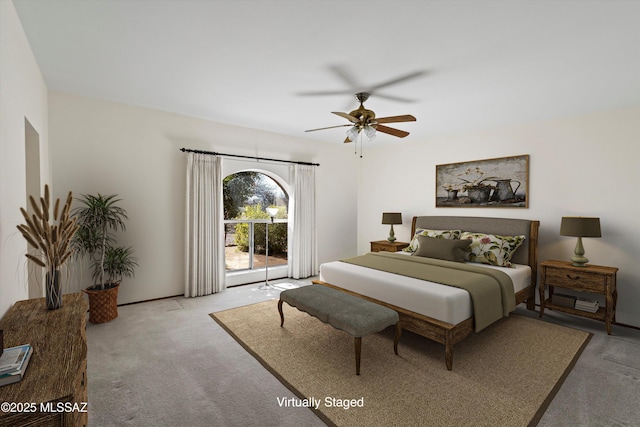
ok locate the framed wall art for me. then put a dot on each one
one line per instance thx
(500, 182)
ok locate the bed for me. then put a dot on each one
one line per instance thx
(442, 313)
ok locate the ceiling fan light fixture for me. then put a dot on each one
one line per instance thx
(362, 119)
(353, 132)
(370, 132)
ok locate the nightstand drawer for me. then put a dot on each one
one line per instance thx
(577, 280)
(387, 246)
(380, 247)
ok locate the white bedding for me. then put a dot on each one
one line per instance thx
(441, 302)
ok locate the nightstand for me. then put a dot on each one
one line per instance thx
(387, 246)
(594, 279)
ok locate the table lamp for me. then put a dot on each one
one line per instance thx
(391, 218)
(578, 226)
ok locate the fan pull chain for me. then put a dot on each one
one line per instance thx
(355, 145)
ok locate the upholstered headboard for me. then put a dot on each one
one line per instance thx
(526, 254)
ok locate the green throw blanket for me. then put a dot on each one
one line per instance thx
(491, 290)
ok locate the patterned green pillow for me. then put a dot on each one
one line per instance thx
(438, 234)
(492, 249)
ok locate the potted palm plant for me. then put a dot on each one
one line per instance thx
(49, 232)
(98, 217)
(119, 263)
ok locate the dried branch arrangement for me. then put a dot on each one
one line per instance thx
(51, 240)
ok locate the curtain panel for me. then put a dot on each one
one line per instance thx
(303, 253)
(204, 248)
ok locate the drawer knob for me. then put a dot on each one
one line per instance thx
(573, 277)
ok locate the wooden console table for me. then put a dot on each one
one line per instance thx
(53, 391)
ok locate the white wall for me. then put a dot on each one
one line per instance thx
(582, 166)
(23, 95)
(134, 152)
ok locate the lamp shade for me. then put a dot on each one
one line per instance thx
(370, 132)
(578, 226)
(392, 218)
(352, 133)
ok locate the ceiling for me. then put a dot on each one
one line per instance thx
(481, 63)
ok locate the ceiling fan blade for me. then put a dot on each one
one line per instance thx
(346, 116)
(400, 79)
(395, 119)
(345, 76)
(393, 98)
(342, 72)
(328, 127)
(391, 131)
(354, 85)
(325, 93)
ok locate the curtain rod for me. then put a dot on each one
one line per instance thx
(188, 150)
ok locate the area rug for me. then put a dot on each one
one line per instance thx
(505, 375)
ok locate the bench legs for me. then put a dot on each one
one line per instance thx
(357, 340)
(280, 311)
(397, 338)
(358, 346)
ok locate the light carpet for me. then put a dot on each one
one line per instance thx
(506, 375)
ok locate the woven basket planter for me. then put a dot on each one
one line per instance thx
(103, 304)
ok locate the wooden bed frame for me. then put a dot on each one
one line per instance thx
(446, 333)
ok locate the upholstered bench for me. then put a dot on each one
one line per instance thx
(345, 312)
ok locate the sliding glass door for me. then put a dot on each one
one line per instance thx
(247, 195)
(245, 246)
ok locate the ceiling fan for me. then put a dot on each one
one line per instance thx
(364, 120)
